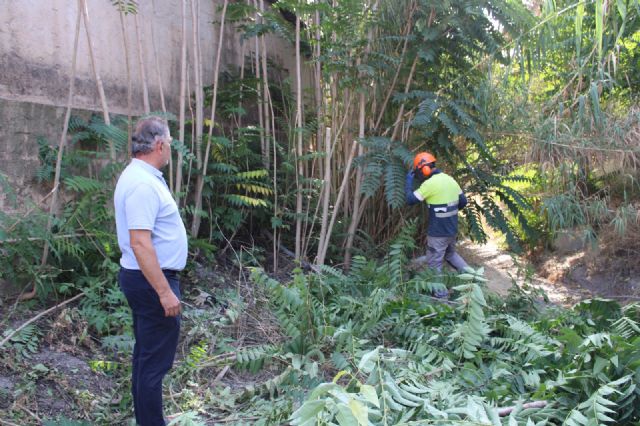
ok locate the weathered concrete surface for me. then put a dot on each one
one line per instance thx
(36, 49)
(21, 123)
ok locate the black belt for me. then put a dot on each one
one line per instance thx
(170, 272)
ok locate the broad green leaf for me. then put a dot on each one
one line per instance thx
(599, 364)
(307, 411)
(370, 394)
(322, 389)
(345, 416)
(369, 360)
(359, 411)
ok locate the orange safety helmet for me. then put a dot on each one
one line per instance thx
(425, 163)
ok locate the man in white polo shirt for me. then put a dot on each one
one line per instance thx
(153, 242)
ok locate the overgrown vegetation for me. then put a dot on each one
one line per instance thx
(543, 139)
(373, 347)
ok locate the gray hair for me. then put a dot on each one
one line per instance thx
(146, 134)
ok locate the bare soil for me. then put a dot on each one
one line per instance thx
(565, 278)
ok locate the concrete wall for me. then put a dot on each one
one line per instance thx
(36, 48)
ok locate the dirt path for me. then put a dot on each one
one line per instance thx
(502, 269)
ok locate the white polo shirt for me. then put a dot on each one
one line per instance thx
(143, 201)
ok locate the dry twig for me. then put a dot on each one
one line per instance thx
(37, 317)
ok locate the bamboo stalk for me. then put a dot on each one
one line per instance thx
(310, 171)
(265, 93)
(258, 74)
(345, 181)
(298, 151)
(158, 73)
(199, 107)
(356, 193)
(275, 182)
(400, 63)
(183, 85)
(322, 134)
(357, 205)
(125, 42)
(163, 106)
(53, 206)
(333, 168)
(326, 195)
(241, 97)
(143, 71)
(398, 121)
(216, 73)
(94, 66)
(193, 131)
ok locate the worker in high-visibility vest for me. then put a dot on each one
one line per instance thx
(444, 198)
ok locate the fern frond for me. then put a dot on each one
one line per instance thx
(253, 174)
(394, 183)
(83, 184)
(244, 201)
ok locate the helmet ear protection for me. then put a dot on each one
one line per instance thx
(424, 163)
(426, 169)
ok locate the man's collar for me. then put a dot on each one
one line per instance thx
(148, 167)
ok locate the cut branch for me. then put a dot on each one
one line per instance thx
(502, 412)
(37, 317)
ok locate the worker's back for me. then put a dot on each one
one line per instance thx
(442, 193)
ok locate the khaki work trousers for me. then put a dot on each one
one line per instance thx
(440, 249)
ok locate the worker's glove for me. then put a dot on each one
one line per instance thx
(409, 180)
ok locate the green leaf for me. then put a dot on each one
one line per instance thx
(345, 416)
(370, 394)
(368, 361)
(599, 364)
(307, 411)
(359, 411)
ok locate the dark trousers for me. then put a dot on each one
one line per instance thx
(156, 342)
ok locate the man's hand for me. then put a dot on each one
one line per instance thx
(170, 303)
